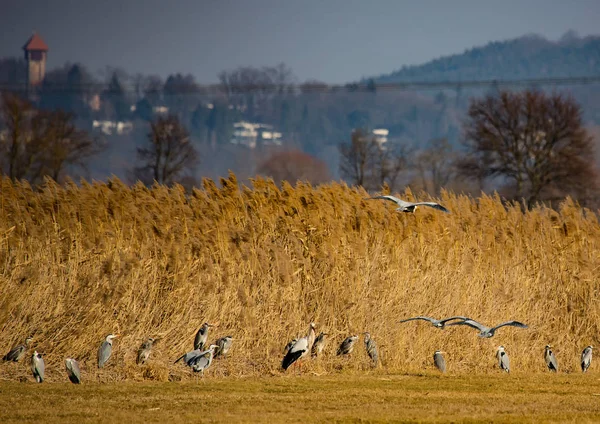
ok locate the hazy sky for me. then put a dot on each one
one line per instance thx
(330, 40)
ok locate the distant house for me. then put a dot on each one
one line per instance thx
(250, 134)
(113, 127)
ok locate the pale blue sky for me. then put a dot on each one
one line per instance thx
(330, 40)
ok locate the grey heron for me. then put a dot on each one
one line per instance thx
(105, 349)
(503, 360)
(187, 357)
(488, 332)
(202, 361)
(404, 206)
(73, 370)
(37, 366)
(586, 358)
(439, 361)
(551, 362)
(144, 351)
(202, 336)
(347, 346)
(223, 346)
(318, 345)
(300, 349)
(17, 352)
(371, 347)
(438, 323)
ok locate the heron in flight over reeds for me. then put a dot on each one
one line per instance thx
(300, 349)
(404, 206)
(438, 323)
(487, 332)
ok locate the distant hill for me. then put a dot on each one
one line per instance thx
(530, 56)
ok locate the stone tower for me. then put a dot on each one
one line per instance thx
(35, 55)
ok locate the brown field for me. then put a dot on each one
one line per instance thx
(360, 397)
(77, 263)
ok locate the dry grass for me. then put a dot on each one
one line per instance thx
(77, 263)
(345, 398)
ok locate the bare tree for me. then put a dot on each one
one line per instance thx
(35, 143)
(169, 156)
(367, 162)
(534, 141)
(436, 165)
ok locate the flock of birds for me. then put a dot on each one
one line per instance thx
(201, 358)
(198, 359)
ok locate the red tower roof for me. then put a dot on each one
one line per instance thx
(35, 42)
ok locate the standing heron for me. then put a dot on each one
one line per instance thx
(17, 352)
(300, 349)
(144, 351)
(73, 370)
(439, 361)
(487, 332)
(438, 323)
(371, 347)
(319, 345)
(503, 360)
(586, 358)
(105, 349)
(551, 362)
(37, 366)
(404, 206)
(202, 336)
(223, 346)
(347, 346)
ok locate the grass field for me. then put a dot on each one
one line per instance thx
(298, 399)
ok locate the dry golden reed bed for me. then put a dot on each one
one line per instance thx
(77, 263)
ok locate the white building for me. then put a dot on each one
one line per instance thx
(251, 133)
(113, 127)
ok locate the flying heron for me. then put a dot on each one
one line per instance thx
(318, 345)
(105, 350)
(503, 360)
(223, 346)
(404, 206)
(73, 370)
(37, 366)
(438, 323)
(586, 358)
(17, 352)
(202, 336)
(371, 347)
(487, 332)
(347, 346)
(439, 361)
(551, 362)
(300, 349)
(144, 351)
